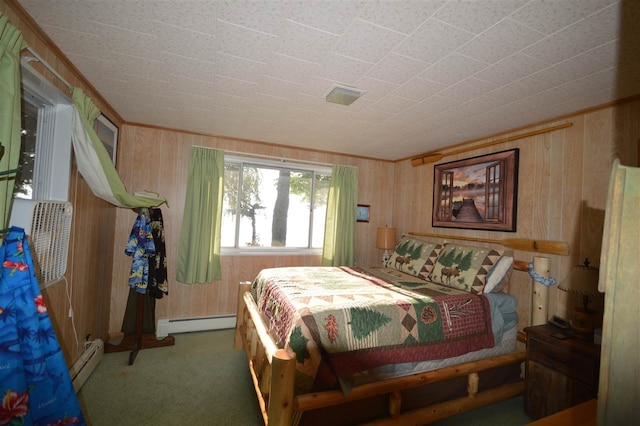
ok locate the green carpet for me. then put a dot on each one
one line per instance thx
(202, 380)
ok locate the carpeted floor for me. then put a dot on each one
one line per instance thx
(202, 380)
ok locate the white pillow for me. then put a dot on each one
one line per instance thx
(495, 278)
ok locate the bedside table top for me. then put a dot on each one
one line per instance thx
(545, 333)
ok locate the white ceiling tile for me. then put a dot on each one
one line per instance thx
(477, 106)
(396, 68)
(432, 41)
(468, 89)
(261, 69)
(280, 88)
(232, 86)
(511, 69)
(189, 67)
(427, 108)
(244, 43)
(265, 16)
(95, 67)
(597, 29)
(194, 15)
(183, 42)
(133, 16)
(419, 89)
(239, 68)
(367, 42)
(300, 41)
(375, 89)
(61, 13)
(331, 16)
(133, 65)
(343, 69)
(504, 39)
(372, 115)
(596, 60)
(393, 104)
(475, 16)
(401, 16)
(291, 69)
(77, 43)
(453, 68)
(518, 89)
(551, 16)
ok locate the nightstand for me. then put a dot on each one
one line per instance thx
(559, 373)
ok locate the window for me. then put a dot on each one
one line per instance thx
(45, 159)
(268, 205)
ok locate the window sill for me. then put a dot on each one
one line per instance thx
(269, 251)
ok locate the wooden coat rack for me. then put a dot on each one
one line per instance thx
(139, 340)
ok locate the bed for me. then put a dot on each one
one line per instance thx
(428, 335)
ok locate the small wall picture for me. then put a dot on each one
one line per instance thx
(477, 193)
(362, 214)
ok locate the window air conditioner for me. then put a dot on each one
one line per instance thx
(47, 225)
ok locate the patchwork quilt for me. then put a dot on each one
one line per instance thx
(343, 320)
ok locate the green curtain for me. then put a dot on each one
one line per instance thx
(199, 248)
(94, 162)
(340, 227)
(11, 43)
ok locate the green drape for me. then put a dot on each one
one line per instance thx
(94, 162)
(340, 227)
(11, 43)
(199, 248)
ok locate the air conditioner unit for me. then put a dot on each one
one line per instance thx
(47, 225)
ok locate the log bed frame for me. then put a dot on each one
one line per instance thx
(273, 372)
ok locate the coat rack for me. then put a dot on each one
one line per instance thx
(139, 340)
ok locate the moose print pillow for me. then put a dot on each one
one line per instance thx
(415, 257)
(464, 267)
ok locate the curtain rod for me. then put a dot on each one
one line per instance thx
(268, 157)
(44, 63)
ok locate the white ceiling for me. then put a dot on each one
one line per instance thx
(435, 72)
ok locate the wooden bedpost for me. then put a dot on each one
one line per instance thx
(240, 309)
(283, 371)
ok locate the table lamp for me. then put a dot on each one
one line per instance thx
(583, 279)
(386, 240)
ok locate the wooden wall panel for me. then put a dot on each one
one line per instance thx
(157, 160)
(88, 277)
(563, 179)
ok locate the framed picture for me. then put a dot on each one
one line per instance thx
(477, 193)
(362, 214)
(108, 134)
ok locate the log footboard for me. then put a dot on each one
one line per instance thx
(273, 373)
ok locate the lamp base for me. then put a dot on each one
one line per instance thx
(385, 257)
(584, 322)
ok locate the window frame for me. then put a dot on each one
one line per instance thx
(277, 165)
(51, 177)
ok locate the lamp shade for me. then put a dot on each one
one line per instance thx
(386, 238)
(583, 279)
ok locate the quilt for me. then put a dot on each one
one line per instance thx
(343, 320)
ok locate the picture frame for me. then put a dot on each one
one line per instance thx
(362, 214)
(107, 132)
(477, 193)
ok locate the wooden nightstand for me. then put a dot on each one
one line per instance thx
(559, 373)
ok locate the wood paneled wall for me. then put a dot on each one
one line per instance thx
(562, 190)
(157, 160)
(87, 281)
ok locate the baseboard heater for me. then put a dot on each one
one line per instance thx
(88, 361)
(186, 325)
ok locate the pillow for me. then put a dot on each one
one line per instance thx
(464, 267)
(415, 257)
(498, 276)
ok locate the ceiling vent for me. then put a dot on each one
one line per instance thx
(344, 95)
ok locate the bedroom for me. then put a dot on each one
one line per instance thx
(561, 196)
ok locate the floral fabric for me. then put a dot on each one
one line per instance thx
(35, 387)
(140, 247)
